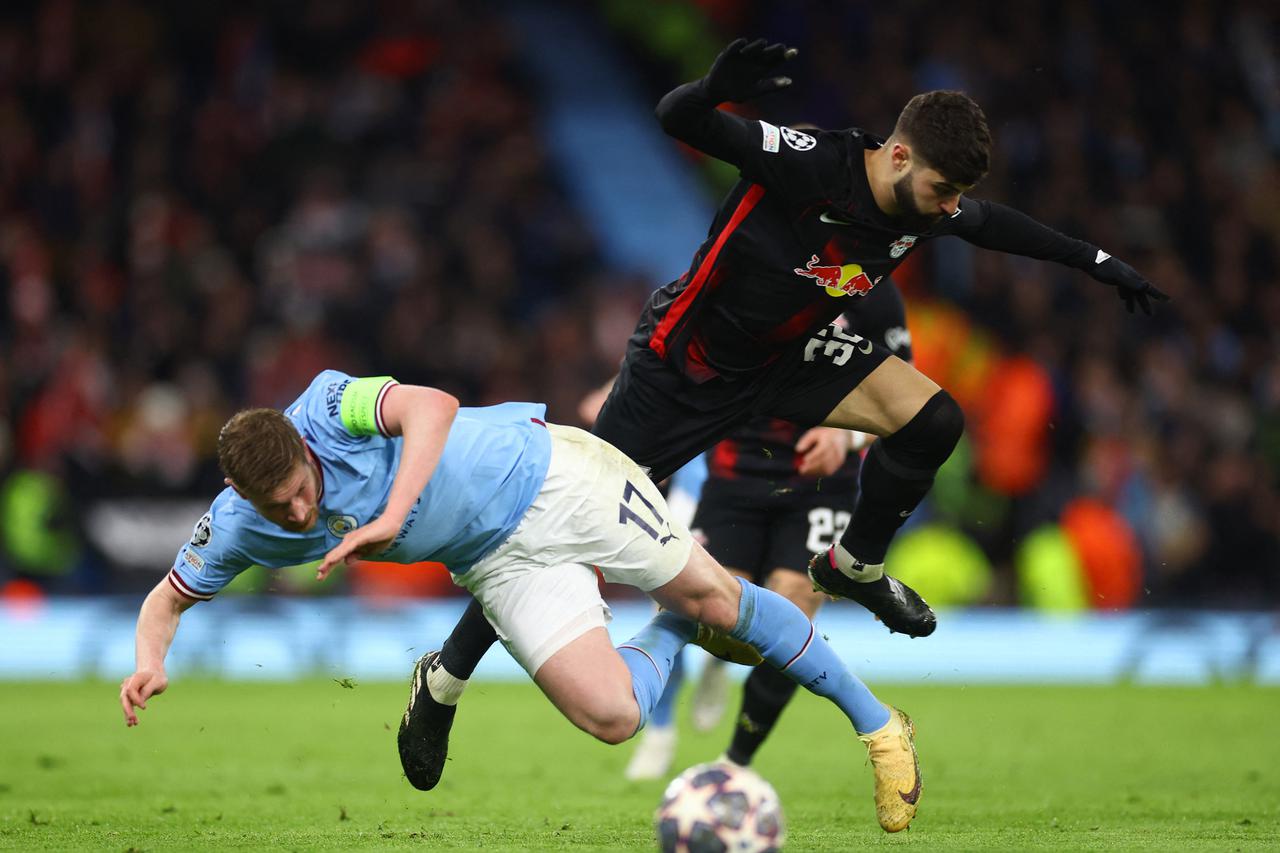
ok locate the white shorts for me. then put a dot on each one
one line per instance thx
(596, 510)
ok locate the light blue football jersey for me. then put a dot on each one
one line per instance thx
(493, 466)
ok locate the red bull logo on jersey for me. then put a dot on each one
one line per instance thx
(902, 245)
(845, 280)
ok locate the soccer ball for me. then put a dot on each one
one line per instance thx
(719, 808)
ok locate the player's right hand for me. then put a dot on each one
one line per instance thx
(822, 451)
(591, 404)
(747, 70)
(137, 689)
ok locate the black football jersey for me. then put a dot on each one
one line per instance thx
(796, 241)
(761, 456)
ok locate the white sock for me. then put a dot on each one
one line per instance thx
(444, 688)
(659, 733)
(855, 568)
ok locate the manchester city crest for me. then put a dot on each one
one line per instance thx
(341, 525)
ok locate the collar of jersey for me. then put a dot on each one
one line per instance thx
(862, 206)
(320, 470)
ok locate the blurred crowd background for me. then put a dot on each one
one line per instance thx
(202, 208)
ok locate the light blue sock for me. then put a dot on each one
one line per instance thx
(651, 654)
(788, 641)
(665, 711)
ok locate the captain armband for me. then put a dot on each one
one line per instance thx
(361, 408)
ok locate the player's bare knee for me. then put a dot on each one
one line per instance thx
(719, 610)
(705, 592)
(608, 713)
(616, 732)
(612, 724)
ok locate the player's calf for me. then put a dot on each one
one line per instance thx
(705, 593)
(726, 647)
(710, 601)
(896, 475)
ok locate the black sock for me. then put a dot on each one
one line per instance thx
(765, 694)
(885, 492)
(896, 475)
(467, 643)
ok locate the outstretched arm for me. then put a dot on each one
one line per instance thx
(423, 416)
(995, 226)
(157, 623)
(741, 72)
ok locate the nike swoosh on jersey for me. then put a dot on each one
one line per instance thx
(824, 217)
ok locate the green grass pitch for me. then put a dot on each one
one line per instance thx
(312, 766)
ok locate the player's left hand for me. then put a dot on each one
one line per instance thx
(1129, 283)
(365, 541)
(822, 451)
(746, 70)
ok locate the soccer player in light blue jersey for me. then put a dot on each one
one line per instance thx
(520, 511)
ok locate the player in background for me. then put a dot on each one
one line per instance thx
(817, 219)
(775, 495)
(522, 512)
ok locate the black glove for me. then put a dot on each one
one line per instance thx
(743, 71)
(1129, 283)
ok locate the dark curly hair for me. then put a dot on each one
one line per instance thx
(948, 132)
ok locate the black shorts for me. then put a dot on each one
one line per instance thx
(662, 419)
(756, 534)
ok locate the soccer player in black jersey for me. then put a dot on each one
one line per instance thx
(817, 219)
(775, 495)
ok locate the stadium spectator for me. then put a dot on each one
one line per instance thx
(201, 195)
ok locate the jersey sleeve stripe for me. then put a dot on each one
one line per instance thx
(176, 581)
(658, 343)
(377, 408)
